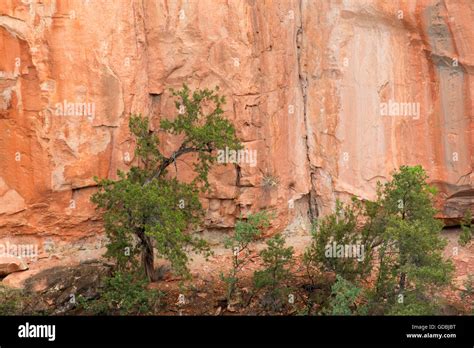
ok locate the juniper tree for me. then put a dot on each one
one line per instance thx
(275, 275)
(246, 231)
(341, 228)
(403, 247)
(411, 267)
(344, 297)
(148, 208)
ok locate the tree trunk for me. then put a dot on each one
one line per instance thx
(147, 256)
(402, 281)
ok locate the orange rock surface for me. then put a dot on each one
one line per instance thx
(306, 84)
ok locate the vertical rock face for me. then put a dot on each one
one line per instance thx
(332, 95)
(390, 84)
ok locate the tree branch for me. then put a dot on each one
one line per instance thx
(169, 160)
(172, 159)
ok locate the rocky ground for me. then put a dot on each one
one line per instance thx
(55, 282)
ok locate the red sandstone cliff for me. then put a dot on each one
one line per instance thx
(306, 82)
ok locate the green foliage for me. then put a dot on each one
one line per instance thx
(147, 209)
(276, 274)
(402, 244)
(340, 228)
(123, 294)
(19, 302)
(246, 232)
(410, 251)
(409, 197)
(467, 228)
(10, 301)
(344, 297)
(203, 131)
(415, 304)
(469, 285)
(467, 295)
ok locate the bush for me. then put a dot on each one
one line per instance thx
(275, 276)
(19, 302)
(401, 238)
(335, 232)
(467, 295)
(11, 301)
(469, 285)
(344, 298)
(246, 232)
(466, 229)
(123, 294)
(415, 304)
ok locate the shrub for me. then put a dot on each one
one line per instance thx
(469, 285)
(467, 295)
(123, 294)
(273, 279)
(270, 181)
(466, 229)
(415, 303)
(401, 237)
(339, 232)
(344, 298)
(246, 232)
(10, 301)
(19, 302)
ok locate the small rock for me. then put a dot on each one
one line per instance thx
(231, 308)
(11, 264)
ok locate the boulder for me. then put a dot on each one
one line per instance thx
(10, 264)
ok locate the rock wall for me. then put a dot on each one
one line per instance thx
(333, 95)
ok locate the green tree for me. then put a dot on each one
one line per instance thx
(147, 208)
(411, 265)
(246, 231)
(467, 295)
(334, 232)
(275, 276)
(344, 298)
(466, 228)
(402, 245)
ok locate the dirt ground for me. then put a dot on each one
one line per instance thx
(205, 294)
